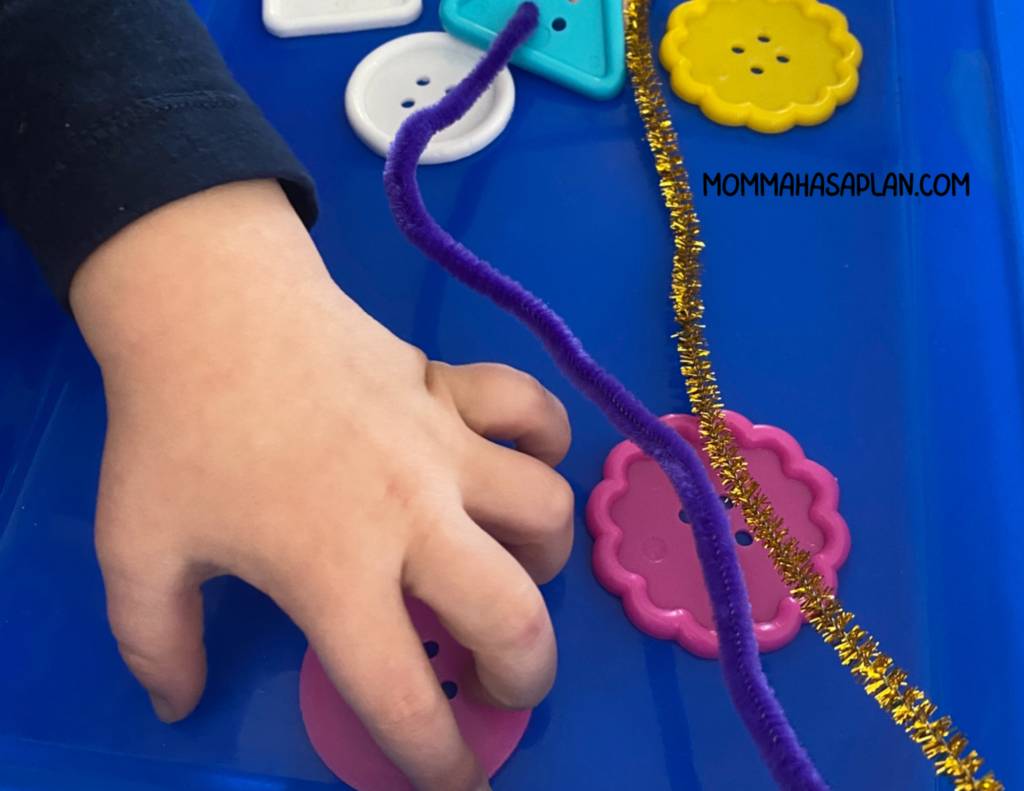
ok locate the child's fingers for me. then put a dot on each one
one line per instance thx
(370, 650)
(491, 606)
(156, 615)
(523, 503)
(501, 403)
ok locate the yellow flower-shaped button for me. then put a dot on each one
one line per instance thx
(766, 64)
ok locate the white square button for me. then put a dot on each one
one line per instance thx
(287, 18)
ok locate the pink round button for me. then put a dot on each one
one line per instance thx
(344, 744)
(644, 549)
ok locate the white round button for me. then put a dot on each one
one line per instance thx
(412, 72)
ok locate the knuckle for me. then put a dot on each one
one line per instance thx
(559, 506)
(518, 670)
(418, 361)
(527, 623)
(496, 371)
(520, 389)
(534, 397)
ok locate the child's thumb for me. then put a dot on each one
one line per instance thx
(156, 615)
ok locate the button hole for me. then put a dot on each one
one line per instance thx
(408, 103)
(423, 81)
(757, 70)
(743, 538)
(738, 50)
(782, 59)
(763, 38)
(558, 24)
(431, 647)
(451, 689)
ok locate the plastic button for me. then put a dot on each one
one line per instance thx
(644, 548)
(344, 743)
(768, 64)
(579, 45)
(415, 71)
(311, 17)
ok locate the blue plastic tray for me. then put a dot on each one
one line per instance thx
(885, 334)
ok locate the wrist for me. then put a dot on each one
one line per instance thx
(177, 285)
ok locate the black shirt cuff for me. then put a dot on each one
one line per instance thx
(110, 109)
(163, 149)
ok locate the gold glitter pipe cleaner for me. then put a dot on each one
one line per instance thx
(882, 679)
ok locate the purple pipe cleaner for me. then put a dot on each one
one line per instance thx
(753, 698)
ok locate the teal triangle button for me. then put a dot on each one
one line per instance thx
(578, 44)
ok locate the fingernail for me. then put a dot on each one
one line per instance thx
(163, 708)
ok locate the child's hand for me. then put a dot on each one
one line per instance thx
(262, 425)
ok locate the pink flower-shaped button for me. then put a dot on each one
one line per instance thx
(344, 744)
(644, 549)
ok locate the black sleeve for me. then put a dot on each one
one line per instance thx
(112, 108)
